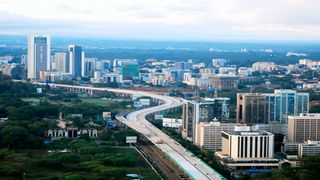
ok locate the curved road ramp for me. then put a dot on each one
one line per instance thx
(193, 166)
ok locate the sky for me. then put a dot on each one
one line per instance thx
(203, 20)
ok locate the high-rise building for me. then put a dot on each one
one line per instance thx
(205, 111)
(251, 108)
(61, 62)
(283, 103)
(38, 55)
(89, 67)
(304, 127)
(129, 70)
(76, 60)
(256, 108)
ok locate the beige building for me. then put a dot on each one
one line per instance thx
(304, 127)
(225, 82)
(61, 62)
(54, 76)
(209, 134)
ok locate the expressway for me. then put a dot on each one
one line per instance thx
(136, 120)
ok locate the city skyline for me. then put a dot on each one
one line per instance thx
(164, 20)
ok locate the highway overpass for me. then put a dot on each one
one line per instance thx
(136, 120)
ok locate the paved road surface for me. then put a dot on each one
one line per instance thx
(192, 165)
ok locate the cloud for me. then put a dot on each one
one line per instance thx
(165, 19)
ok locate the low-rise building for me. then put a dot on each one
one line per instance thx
(245, 148)
(309, 148)
(54, 76)
(263, 66)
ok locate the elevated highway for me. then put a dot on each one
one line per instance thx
(136, 120)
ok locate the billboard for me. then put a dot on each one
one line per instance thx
(131, 139)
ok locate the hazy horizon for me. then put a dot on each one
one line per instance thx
(165, 20)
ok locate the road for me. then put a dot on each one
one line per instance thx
(136, 120)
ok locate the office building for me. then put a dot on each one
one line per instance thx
(225, 82)
(254, 108)
(183, 65)
(245, 72)
(38, 55)
(88, 67)
(263, 66)
(54, 76)
(231, 71)
(245, 148)
(309, 63)
(209, 134)
(251, 108)
(309, 148)
(283, 103)
(219, 62)
(61, 62)
(304, 127)
(204, 111)
(129, 70)
(76, 60)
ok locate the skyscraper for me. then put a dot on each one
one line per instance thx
(61, 62)
(38, 55)
(283, 103)
(205, 111)
(76, 60)
(88, 67)
(129, 70)
(251, 108)
(255, 108)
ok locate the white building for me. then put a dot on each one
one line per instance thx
(159, 80)
(232, 71)
(245, 72)
(171, 122)
(313, 86)
(219, 62)
(247, 148)
(54, 76)
(309, 148)
(209, 134)
(310, 63)
(38, 55)
(263, 66)
(61, 62)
